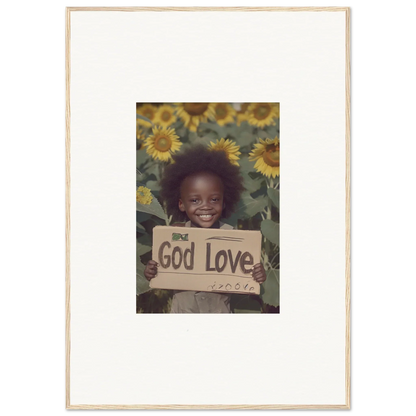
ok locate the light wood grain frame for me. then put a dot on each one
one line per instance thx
(345, 10)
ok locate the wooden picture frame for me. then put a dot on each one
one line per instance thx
(78, 211)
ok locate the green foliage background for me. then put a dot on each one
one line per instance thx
(258, 209)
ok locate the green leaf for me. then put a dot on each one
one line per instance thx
(207, 139)
(220, 130)
(144, 118)
(211, 135)
(139, 176)
(251, 185)
(274, 195)
(231, 130)
(271, 288)
(153, 169)
(181, 131)
(153, 185)
(141, 249)
(249, 206)
(145, 240)
(141, 157)
(270, 230)
(263, 134)
(142, 217)
(245, 138)
(192, 136)
(153, 208)
(245, 304)
(272, 131)
(246, 165)
(140, 228)
(142, 285)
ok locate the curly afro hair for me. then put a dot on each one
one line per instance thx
(194, 160)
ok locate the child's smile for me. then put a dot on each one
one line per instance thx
(202, 199)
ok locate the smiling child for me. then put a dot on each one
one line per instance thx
(201, 187)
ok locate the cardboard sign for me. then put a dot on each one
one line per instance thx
(206, 259)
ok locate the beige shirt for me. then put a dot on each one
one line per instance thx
(188, 301)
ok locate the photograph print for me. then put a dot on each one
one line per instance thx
(207, 208)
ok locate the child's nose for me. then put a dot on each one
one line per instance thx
(206, 204)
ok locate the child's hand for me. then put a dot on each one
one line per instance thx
(258, 273)
(151, 270)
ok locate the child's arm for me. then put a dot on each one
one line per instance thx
(151, 270)
(258, 273)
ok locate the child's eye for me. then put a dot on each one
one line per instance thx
(194, 200)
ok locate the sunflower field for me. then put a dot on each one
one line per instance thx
(249, 135)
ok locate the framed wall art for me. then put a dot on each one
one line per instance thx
(231, 290)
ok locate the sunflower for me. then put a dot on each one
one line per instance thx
(162, 143)
(224, 113)
(262, 114)
(267, 157)
(242, 114)
(139, 136)
(194, 113)
(165, 116)
(146, 110)
(227, 146)
(143, 195)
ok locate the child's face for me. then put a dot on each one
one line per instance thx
(202, 198)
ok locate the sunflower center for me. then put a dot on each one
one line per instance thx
(148, 114)
(166, 116)
(195, 109)
(262, 111)
(163, 143)
(271, 156)
(220, 112)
